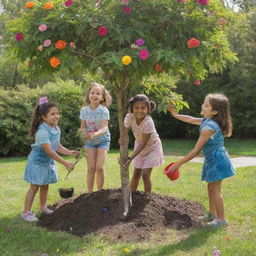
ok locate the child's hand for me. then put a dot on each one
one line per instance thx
(120, 141)
(69, 166)
(74, 153)
(171, 108)
(90, 135)
(174, 167)
(128, 162)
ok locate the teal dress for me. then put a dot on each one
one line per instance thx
(41, 169)
(217, 165)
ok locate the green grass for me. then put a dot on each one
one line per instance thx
(25, 239)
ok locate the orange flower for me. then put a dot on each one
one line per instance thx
(60, 44)
(158, 68)
(29, 5)
(55, 62)
(48, 6)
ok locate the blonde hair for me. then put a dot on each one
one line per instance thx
(106, 97)
(220, 103)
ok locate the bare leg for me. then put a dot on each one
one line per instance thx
(30, 197)
(100, 173)
(135, 179)
(146, 179)
(43, 196)
(214, 189)
(91, 168)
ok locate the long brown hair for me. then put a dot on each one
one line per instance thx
(220, 103)
(39, 112)
(106, 97)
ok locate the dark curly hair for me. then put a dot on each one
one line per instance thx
(151, 105)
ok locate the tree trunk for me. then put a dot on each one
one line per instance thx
(124, 172)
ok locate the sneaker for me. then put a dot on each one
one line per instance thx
(29, 216)
(217, 223)
(47, 211)
(207, 217)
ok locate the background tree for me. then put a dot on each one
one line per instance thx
(128, 41)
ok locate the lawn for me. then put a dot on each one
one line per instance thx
(18, 238)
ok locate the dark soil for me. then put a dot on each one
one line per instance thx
(100, 212)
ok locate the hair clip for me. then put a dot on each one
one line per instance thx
(42, 100)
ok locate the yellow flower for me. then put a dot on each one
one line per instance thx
(126, 250)
(126, 60)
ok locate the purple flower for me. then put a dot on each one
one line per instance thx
(68, 3)
(42, 100)
(43, 27)
(144, 54)
(139, 42)
(127, 9)
(47, 43)
(19, 36)
(203, 2)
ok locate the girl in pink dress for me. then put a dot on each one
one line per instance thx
(148, 151)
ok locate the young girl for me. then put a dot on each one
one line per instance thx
(148, 152)
(217, 166)
(94, 124)
(41, 169)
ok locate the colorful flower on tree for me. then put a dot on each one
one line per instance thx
(61, 45)
(158, 68)
(126, 60)
(197, 82)
(48, 6)
(47, 43)
(68, 3)
(102, 31)
(222, 21)
(181, 1)
(43, 27)
(203, 2)
(29, 5)
(40, 47)
(19, 36)
(127, 9)
(193, 42)
(144, 54)
(55, 62)
(72, 45)
(134, 46)
(139, 42)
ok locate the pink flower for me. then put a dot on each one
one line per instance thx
(47, 43)
(72, 44)
(127, 9)
(102, 31)
(203, 2)
(42, 100)
(144, 54)
(68, 3)
(43, 27)
(124, 2)
(139, 42)
(197, 82)
(19, 36)
(181, 1)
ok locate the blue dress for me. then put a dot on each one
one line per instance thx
(217, 164)
(41, 169)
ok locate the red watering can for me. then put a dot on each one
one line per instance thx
(174, 175)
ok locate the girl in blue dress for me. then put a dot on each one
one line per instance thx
(41, 169)
(215, 124)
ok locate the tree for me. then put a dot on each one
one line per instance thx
(129, 41)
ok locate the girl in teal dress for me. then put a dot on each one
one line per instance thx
(41, 169)
(215, 124)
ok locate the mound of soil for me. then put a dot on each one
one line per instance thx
(99, 213)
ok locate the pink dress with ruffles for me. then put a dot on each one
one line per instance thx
(152, 154)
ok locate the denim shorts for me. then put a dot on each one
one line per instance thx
(102, 144)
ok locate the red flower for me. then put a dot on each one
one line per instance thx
(193, 42)
(102, 31)
(55, 62)
(127, 9)
(19, 36)
(197, 82)
(158, 68)
(60, 45)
